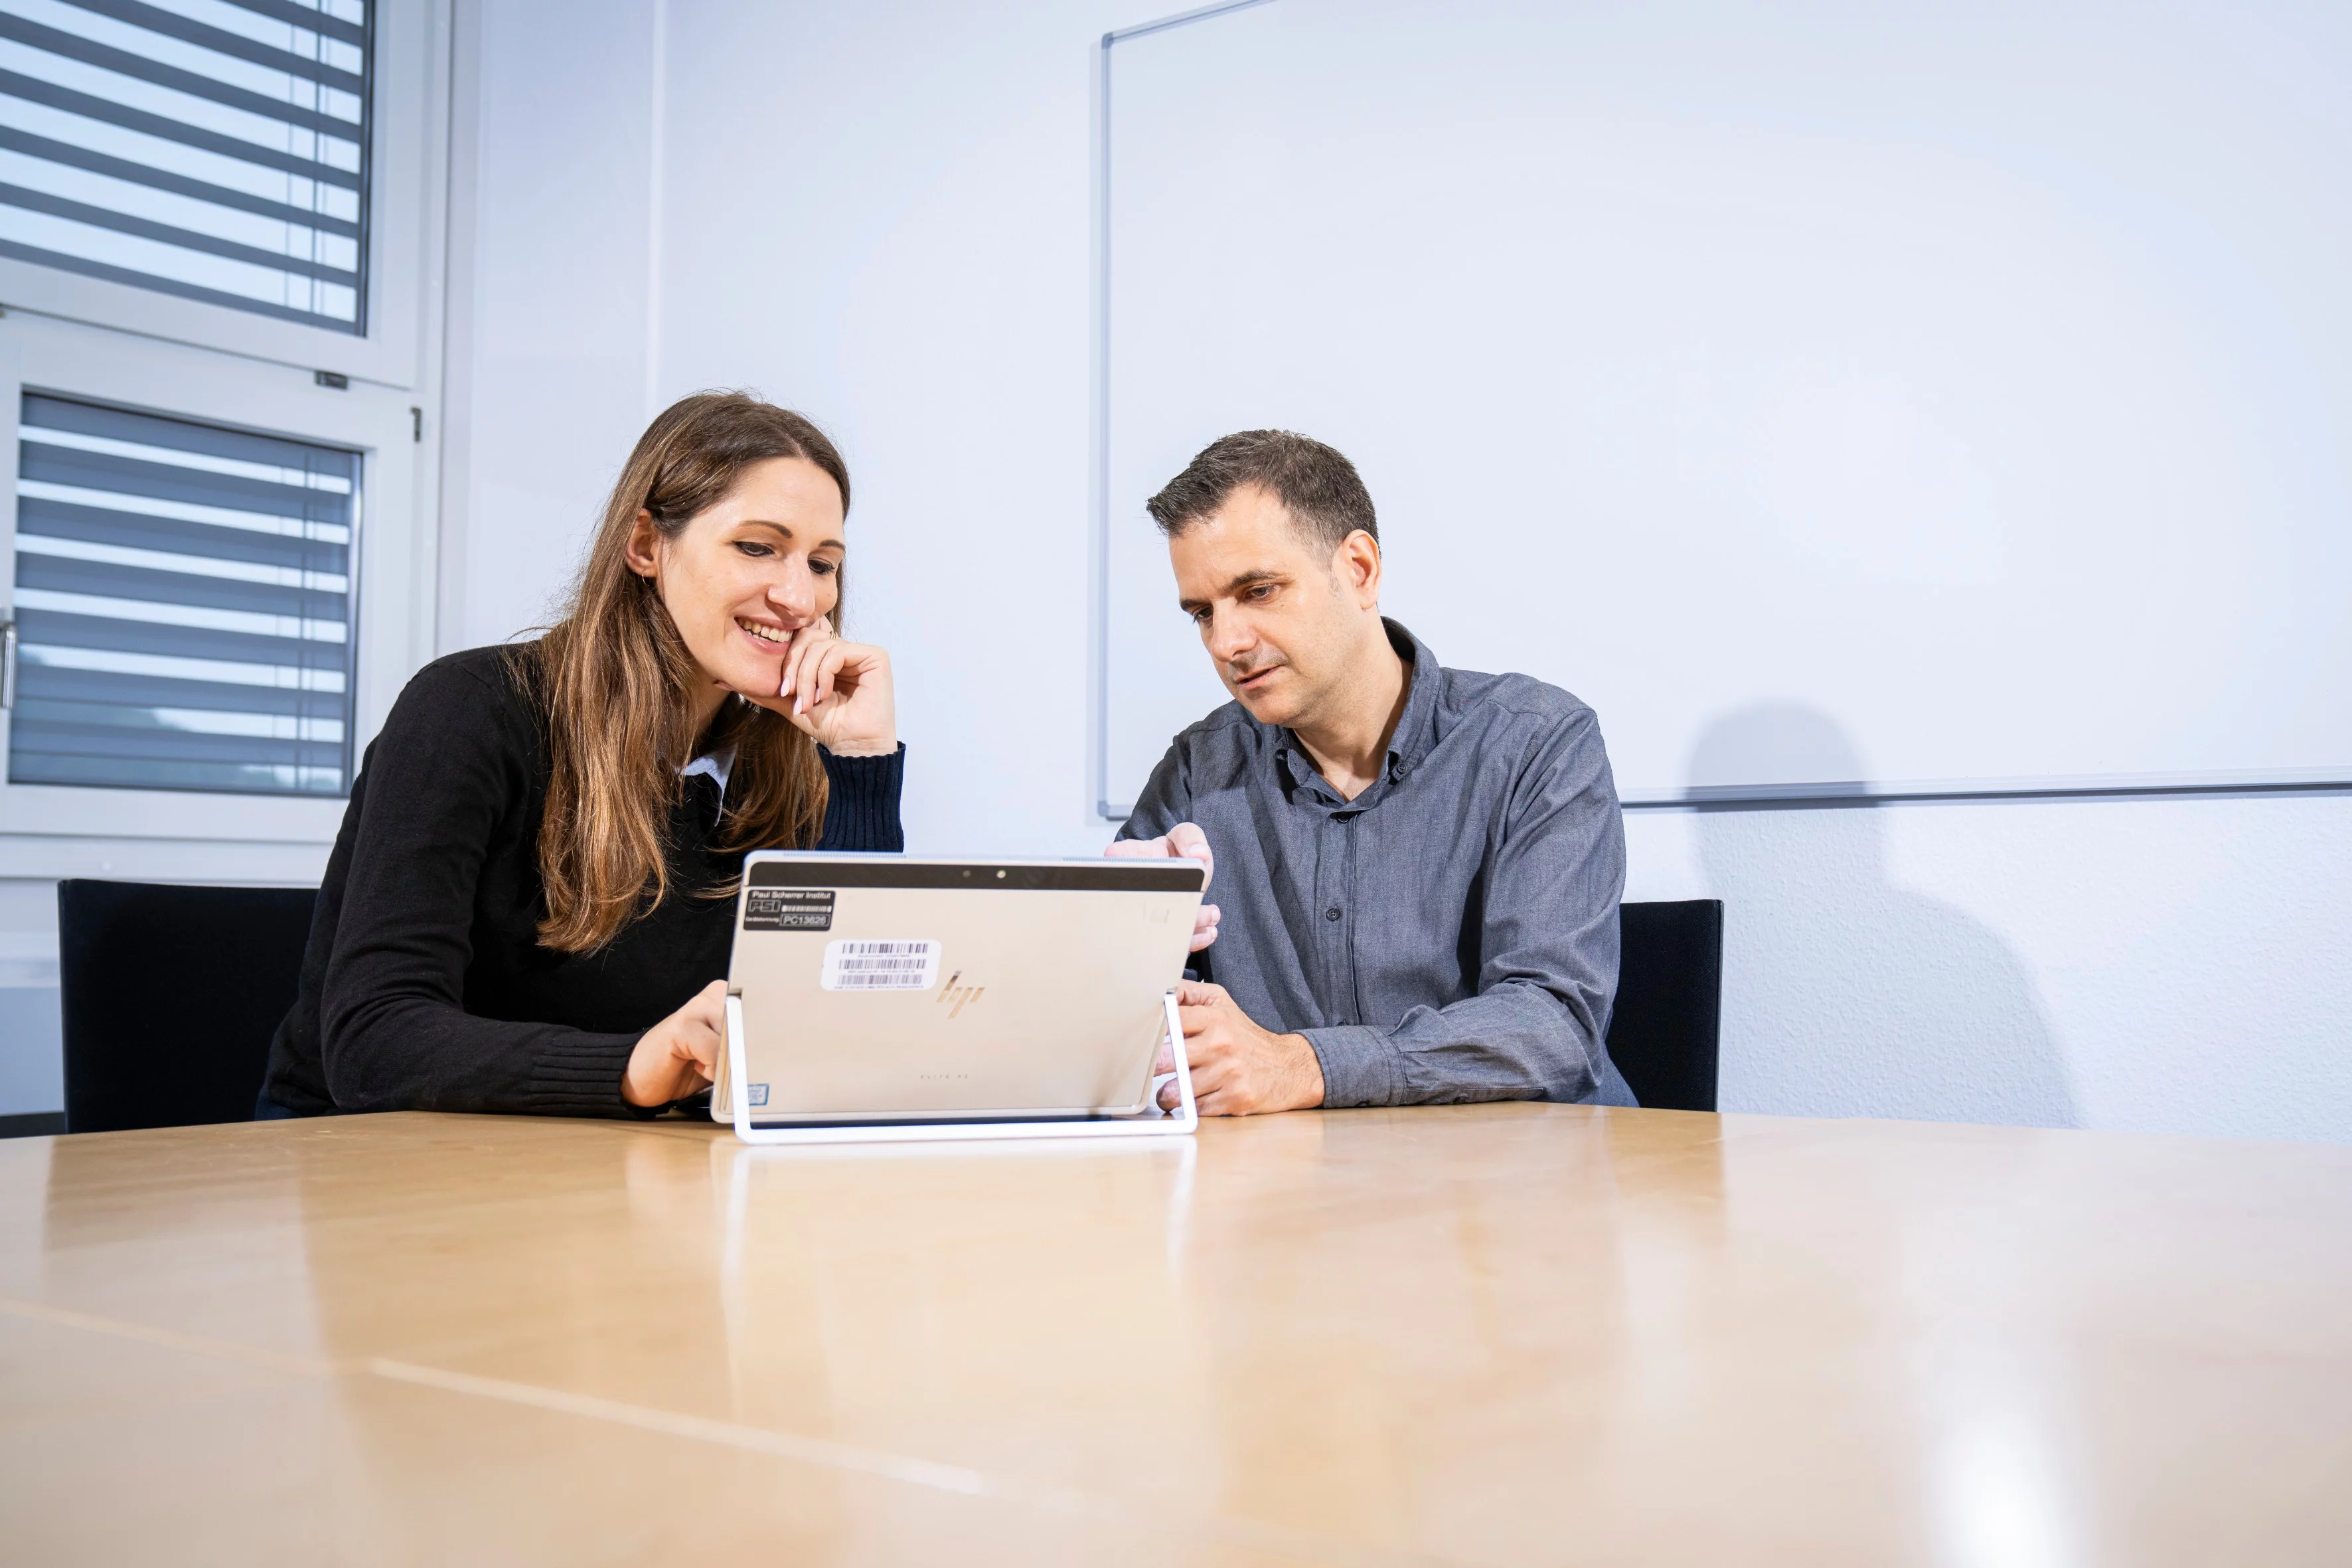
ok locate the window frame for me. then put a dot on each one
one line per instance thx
(401, 243)
(394, 605)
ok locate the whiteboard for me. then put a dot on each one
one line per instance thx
(1973, 384)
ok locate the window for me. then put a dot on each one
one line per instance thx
(219, 221)
(218, 150)
(184, 605)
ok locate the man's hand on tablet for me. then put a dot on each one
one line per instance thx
(1238, 1068)
(1184, 842)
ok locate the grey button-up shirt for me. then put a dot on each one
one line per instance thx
(1451, 934)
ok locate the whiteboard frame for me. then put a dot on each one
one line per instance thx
(2281, 781)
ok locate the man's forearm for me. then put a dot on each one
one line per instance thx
(1514, 1041)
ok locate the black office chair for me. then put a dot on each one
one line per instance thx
(1667, 1031)
(170, 997)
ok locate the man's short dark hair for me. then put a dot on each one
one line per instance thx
(1315, 483)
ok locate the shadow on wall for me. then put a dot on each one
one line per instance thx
(1844, 994)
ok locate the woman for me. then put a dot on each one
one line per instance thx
(530, 904)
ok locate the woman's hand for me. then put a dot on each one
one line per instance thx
(838, 692)
(679, 1055)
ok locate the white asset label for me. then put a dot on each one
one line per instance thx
(868, 965)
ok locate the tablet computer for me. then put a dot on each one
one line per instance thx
(871, 991)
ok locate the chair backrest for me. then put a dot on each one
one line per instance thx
(1666, 1030)
(170, 997)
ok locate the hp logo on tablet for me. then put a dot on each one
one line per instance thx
(959, 996)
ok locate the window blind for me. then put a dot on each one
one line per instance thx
(212, 149)
(184, 605)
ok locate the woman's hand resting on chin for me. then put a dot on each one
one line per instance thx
(838, 692)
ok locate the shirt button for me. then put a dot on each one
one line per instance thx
(1332, 913)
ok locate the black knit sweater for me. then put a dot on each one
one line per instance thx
(425, 987)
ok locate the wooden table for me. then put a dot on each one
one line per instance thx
(1505, 1334)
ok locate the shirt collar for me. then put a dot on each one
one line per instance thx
(718, 764)
(1416, 730)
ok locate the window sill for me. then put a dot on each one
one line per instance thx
(53, 857)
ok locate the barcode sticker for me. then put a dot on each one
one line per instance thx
(871, 965)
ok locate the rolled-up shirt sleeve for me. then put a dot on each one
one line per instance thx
(1547, 951)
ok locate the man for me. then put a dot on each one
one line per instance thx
(1420, 867)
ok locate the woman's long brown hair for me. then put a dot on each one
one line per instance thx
(614, 674)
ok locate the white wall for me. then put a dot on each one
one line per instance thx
(32, 1077)
(549, 258)
(2154, 965)
(880, 214)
